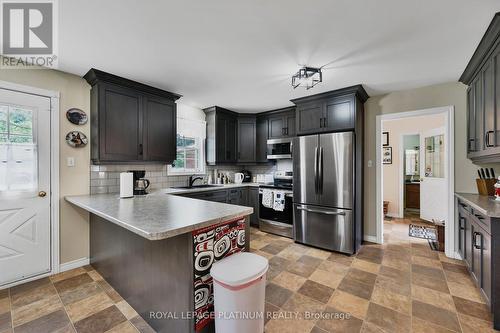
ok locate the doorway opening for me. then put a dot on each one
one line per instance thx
(415, 177)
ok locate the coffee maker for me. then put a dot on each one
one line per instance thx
(140, 183)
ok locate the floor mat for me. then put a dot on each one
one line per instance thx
(419, 231)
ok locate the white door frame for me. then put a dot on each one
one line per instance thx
(448, 111)
(401, 177)
(54, 172)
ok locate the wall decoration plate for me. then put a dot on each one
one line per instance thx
(76, 139)
(76, 116)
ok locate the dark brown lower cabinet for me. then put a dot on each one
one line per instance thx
(253, 201)
(412, 194)
(478, 238)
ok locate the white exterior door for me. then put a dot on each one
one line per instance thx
(25, 228)
(433, 175)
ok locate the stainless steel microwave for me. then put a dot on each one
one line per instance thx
(279, 148)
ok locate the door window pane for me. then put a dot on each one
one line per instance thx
(434, 156)
(18, 150)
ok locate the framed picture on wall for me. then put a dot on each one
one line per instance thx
(387, 155)
(385, 139)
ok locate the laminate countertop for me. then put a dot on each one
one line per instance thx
(177, 190)
(158, 216)
(484, 204)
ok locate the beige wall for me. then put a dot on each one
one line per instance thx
(452, 93)
(74, 92)
(396, 129)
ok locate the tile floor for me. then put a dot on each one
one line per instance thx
(401, 286)
(74, 301)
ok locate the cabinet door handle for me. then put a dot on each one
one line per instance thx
(472, 147)
(320, 122)
(324, 122)
(286, 130)
(487, 139)
(480, 246)
(479, 217)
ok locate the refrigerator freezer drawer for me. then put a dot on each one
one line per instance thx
(327, 228)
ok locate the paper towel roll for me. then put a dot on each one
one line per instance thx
(126, 185)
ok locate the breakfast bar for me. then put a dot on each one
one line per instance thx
(157, 251)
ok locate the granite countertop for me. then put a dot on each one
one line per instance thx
(157, 217)
(482, 203)
(173, 190)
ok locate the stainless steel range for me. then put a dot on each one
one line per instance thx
(276, 221)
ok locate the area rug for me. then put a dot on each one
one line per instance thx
(420, 231)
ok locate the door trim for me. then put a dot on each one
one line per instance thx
(449, 112)
(54, 172)
(401, 171)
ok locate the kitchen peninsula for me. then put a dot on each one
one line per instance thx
(157, 250)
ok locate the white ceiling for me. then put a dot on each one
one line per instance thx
(240, 54)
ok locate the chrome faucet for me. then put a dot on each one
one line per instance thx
(192, 179)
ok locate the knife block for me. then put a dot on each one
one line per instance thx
(486, 186)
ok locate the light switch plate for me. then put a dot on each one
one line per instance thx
(70, 161)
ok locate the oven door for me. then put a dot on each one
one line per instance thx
(276, 222)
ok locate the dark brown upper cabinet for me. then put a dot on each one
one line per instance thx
(222, 130)
(247, 133)
(482, 75)
(329, 112)
(261, 139)
(281, 123)
(130, 121)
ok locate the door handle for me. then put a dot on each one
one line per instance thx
(320, 122)
(320, 211)
(42, 194)
(316, 170)
(320, 170)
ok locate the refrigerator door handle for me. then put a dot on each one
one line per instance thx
(320, 171)
(320, 211)
(316, 170)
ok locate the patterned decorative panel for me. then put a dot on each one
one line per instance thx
(212, 244)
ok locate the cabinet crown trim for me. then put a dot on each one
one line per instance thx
(482, 51)
(94, 76)
(358, 90)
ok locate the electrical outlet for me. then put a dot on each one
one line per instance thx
(70, 161)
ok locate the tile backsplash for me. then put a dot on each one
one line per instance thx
(106, 178)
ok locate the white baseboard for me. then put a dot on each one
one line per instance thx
(368, 238)
(74, 264)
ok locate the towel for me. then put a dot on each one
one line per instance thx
(267, 198)
(279, 201)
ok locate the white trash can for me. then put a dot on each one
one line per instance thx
(239, 293)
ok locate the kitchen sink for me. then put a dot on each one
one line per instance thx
(196, 186)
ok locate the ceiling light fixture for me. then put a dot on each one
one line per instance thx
(307, 77)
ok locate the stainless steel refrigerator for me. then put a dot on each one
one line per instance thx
(323, 194)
